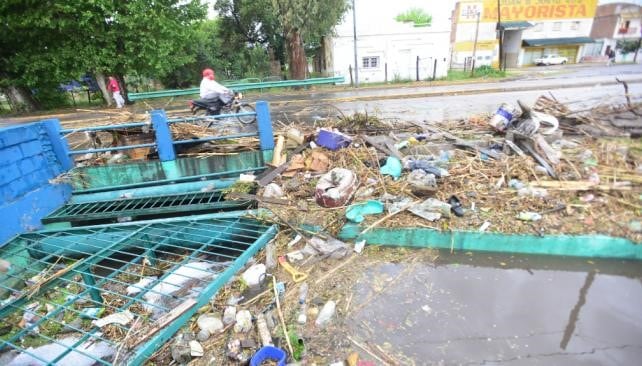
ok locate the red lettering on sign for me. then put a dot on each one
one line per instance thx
(517, 11)
(571, 9)
(542, 12)
(530, 11)
(560, 10)
(581, 11)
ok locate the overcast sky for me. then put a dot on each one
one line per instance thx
(434, 6)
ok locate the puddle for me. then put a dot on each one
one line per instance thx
(494, 309)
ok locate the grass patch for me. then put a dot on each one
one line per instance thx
(482, 72)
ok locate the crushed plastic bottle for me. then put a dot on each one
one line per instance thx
(529, 216)
(303, 293)
(326, 314)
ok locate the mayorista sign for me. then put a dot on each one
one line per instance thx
(526, 10)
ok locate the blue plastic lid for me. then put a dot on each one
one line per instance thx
(269, 353)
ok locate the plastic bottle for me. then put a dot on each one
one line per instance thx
(303, 293)
(264, 332)
(270, 256)
(326, 313)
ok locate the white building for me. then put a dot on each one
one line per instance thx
(390, 50)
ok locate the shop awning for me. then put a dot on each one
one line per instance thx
(515, 25)
(556, 41)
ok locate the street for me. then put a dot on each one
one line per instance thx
(585, 84)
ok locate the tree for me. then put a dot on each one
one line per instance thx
(47, 42)
(251, 30)
(306, 20)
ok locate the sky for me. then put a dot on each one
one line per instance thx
(434, 6)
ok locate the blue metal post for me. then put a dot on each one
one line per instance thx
(266, 136)
(58, 143)
(164, 142)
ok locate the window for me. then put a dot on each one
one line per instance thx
(557, 26)
(575, 25)
(370, 62)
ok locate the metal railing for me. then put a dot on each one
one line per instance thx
(239, 87)
(164, 142)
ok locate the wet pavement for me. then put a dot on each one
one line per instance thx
(493, 309)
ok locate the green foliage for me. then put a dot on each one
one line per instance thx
(45, 43)
(627, 46)
(484, 71)
(415, 15)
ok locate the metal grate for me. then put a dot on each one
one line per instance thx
(93, 272)
(143, 207)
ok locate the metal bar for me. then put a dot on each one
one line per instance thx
(115, 148)
(149, 347)
(239, 87)
(103, 128)
(214, 138)
(174, 180)
(217, 116)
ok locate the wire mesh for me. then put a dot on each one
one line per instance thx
(91, 295)
(145, 206)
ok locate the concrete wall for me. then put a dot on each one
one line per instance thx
(30, 155)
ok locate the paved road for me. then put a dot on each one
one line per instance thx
(436, 102)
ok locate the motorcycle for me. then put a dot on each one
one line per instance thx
(234, 106)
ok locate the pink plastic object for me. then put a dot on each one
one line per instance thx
(336, 187)
(333, 140)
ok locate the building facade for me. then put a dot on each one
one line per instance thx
(530, 29)
(616, 22)
(387, 49)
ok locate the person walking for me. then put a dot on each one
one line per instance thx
(611, 55)
(114, 88)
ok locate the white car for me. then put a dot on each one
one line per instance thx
(551, 60)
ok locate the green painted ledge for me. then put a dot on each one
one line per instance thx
(592, 246)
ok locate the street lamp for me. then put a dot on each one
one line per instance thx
(356, 64)
(500, 33)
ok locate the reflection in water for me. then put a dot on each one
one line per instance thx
(495, 308)
(575, 313)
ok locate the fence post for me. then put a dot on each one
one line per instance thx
(386, 72)
(58, 143)
(417, 67)
(266, 136)
(434, 70)
(164, 142)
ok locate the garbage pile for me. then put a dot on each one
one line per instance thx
(518, 171)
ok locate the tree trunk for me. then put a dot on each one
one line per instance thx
(20, 99)
(298, 63)
(123, 88)
(100, 80)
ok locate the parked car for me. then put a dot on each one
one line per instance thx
(551, 60)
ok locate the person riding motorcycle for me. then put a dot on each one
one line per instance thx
(212, 93)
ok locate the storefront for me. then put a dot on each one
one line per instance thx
(565, 47)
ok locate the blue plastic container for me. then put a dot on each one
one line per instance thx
(332, 140)
(269, 353)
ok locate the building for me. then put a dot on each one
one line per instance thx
(616, 22)
(530, 29)
(388, 49)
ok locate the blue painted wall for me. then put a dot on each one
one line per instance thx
(29, 158)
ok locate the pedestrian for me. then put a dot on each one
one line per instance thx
(611, 57)
(114, 88)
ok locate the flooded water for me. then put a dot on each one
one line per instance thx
(487, 309)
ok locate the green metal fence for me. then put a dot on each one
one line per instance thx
(239, 87)
(80, 277)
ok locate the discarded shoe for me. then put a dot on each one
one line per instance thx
(455, 206)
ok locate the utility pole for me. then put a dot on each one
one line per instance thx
(501, 34)
(472, 70)
(356, 64)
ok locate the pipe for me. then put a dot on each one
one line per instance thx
(168, 189)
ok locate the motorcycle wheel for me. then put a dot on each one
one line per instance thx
(245, 108)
